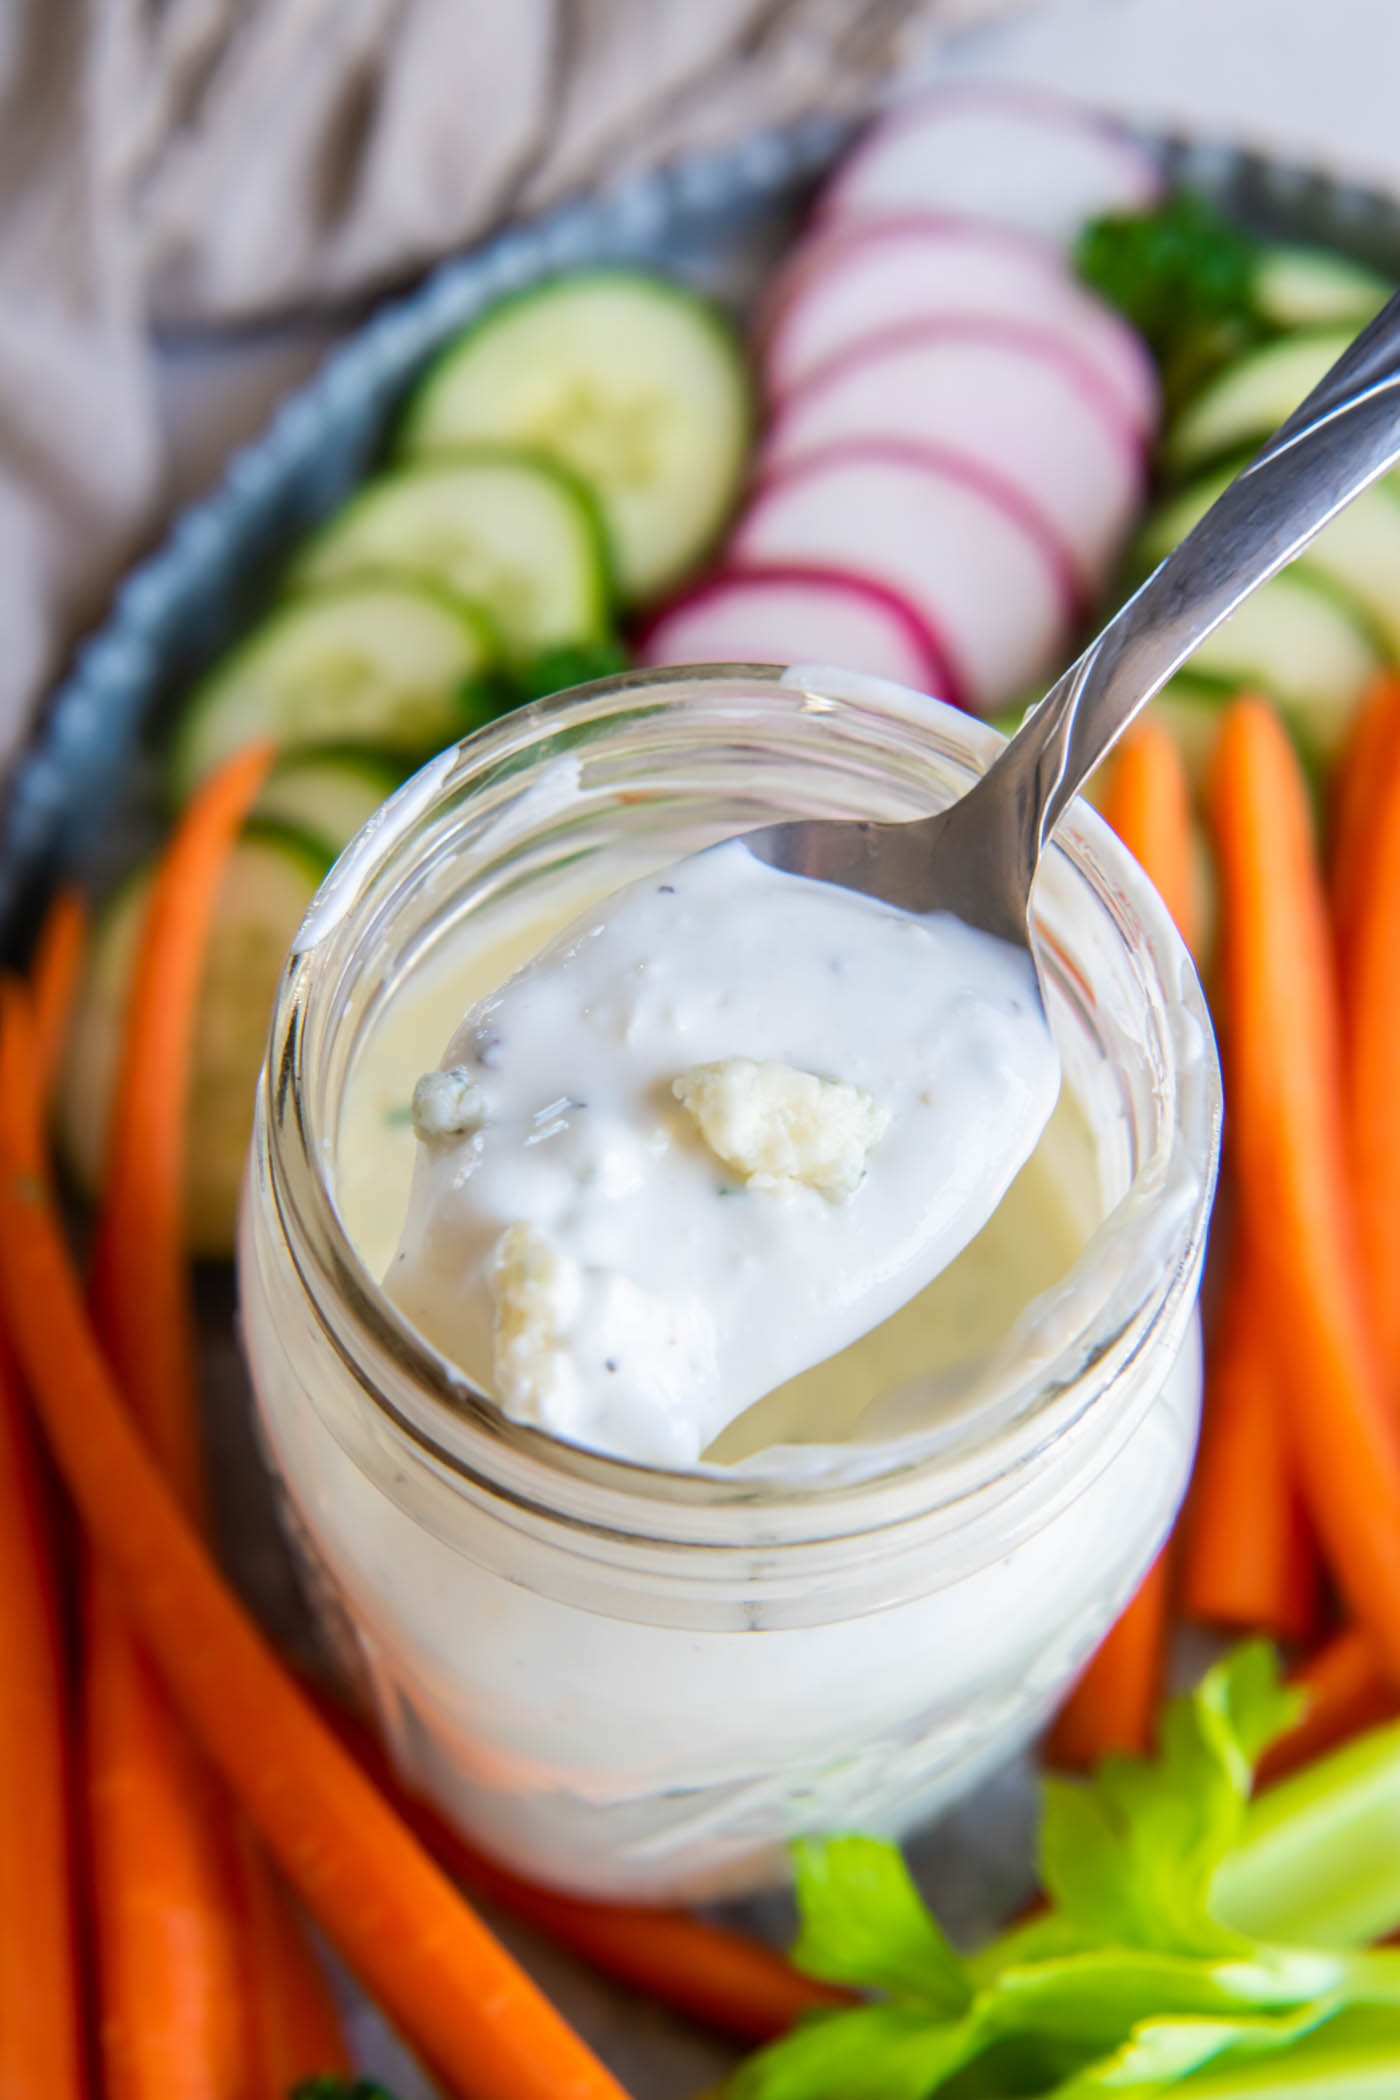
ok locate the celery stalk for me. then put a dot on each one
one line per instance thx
(1355, 2057)
(1318, 1861)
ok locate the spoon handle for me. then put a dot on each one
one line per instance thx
(1344, 435)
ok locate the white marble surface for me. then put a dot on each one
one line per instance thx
(1301, 79)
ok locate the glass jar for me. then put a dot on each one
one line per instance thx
(640, 1683)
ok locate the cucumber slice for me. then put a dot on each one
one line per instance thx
(381, 662)
(327, 794)
(1312, 287)
(271, 878)
(1358, 553)
(632, 381)
(512, 532)
(1251, 397)
(1299, 641)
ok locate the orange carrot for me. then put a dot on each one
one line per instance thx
(139, 1285)
(168, 1971)
(1283, 1070)
(225, 1936)
(296, 2032)
(1148, 804)
(57, 966)
(1247, 1558)
(400, 1924)
(718, 1977)
(1347, 1693)
(1371, 1032)
(1113, 1706)
(40, 2015)
(1371, 757)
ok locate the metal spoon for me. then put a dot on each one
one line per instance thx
(978, 858)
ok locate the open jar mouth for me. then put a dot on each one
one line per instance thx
(673, 762)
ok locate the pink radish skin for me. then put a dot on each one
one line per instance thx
(1010, 398)
(989, 152)
(798, 615)
(850, 283)
(948, 537)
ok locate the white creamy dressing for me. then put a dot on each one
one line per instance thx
(726, 1124)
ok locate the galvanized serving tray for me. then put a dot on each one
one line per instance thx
(717, 220)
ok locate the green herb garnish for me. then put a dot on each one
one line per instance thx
(1196, 1941)
(1186, 279)
(490, 693)
(333, 2086)
(574, 663)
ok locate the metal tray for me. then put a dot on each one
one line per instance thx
(718, 220)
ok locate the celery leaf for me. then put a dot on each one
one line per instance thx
(865, 1923)
(1130, 1855)
(877, 2052)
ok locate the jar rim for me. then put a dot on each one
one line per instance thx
(461, 1430)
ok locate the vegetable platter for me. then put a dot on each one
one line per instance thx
(918, 402)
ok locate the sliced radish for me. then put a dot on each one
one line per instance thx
(1012, 398)
(852, 282)
(995, 153)
(798, 615)
(951, 539)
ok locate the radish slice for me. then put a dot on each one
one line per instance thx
(853, 282)
(948, 537)
(993, 153)
(1012, 398)
(798, 615)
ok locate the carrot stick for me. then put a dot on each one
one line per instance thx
(140, 1289)
(1347, 1692)
(56, 969)
(717, 1977)
(1371, 1032)
(168, 1972)
(1283, 1070)
(1371, 756)
(1114, 1704)
(40, 2015)
(1113, 1707)
(296, 2028)
(230, 1931)
(1247, 1558)
(400, 1924)
(1148, 804)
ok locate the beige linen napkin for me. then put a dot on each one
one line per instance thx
(189, 165)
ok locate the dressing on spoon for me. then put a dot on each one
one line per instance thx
(722, 1126)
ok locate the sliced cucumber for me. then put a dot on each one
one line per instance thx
(512, 532)
(632, 381)
(270, 881)
(1358, 553)
(1300, 642)
(1252, 396)
(381, 662)
(327, 794)
(1312, 287)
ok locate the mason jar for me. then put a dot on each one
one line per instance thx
(641, 1683)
